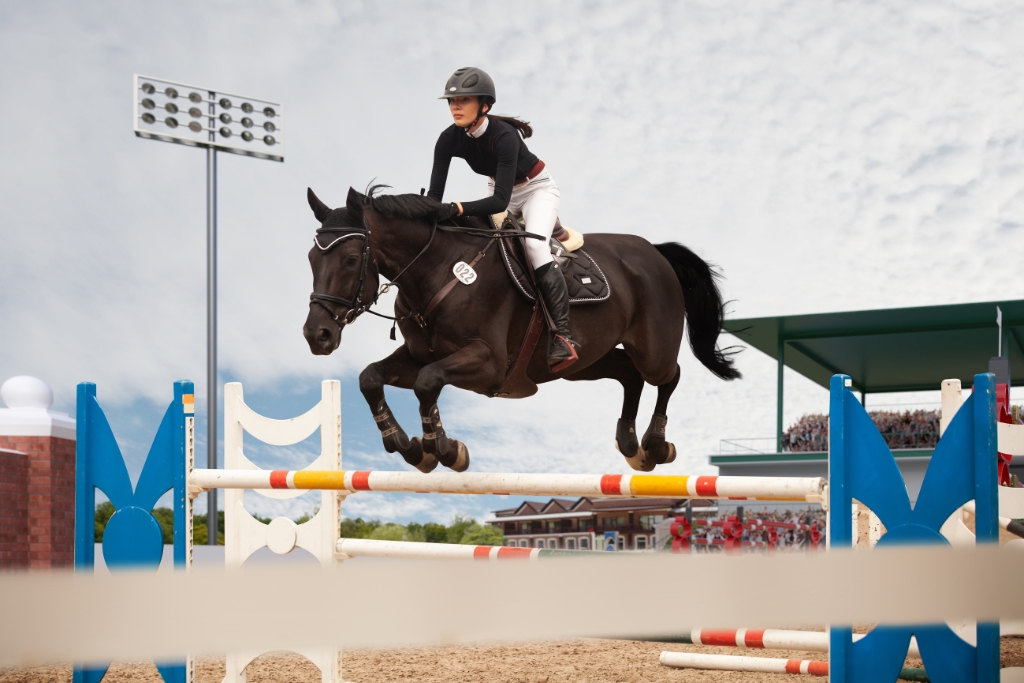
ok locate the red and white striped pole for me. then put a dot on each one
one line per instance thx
(692, 660)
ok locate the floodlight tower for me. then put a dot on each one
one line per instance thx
(159, 112)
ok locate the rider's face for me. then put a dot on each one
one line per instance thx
(464, 110)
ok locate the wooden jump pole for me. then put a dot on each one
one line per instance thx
(413, 550)
(692, 660)
(803, 489)
(767, 639)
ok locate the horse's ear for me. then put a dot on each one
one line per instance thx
(354, 203)
(320, 210)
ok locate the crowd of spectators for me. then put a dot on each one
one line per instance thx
(788, 539)
(900, 429)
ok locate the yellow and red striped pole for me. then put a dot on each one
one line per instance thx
(806, 489)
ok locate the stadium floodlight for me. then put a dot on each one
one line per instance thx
(200, 117)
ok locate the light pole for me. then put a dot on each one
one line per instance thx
(172, 112)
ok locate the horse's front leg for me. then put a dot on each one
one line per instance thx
(471, 367)
(400, 370)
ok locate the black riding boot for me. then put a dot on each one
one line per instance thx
(551, 283)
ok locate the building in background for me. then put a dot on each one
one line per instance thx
(37, 478)
(581, 524)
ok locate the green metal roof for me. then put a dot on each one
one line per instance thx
(805, 456)
(896, 349)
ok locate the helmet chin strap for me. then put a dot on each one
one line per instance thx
(480, 113)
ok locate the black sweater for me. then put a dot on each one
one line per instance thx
(499, 153)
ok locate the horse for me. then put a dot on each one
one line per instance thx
(470, 337)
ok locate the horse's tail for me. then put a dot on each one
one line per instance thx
(704, 308)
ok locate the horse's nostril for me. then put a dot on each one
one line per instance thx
(325, 335)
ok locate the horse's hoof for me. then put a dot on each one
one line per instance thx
(418, 458)
(461, 462)
(641, 462)
(427, 464)
(661, 452)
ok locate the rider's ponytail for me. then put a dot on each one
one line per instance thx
(522, 126)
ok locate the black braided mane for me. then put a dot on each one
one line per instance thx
(414, 207)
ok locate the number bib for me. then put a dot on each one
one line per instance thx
(464, 273)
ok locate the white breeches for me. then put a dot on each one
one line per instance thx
(537, 202)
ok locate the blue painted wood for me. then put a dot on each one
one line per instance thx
(962, 468)
(132, 538)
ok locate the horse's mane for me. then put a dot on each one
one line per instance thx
(413, 207)
(410, 206)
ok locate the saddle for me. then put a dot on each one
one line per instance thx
(585, 280)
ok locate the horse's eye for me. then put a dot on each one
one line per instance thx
(351, 260)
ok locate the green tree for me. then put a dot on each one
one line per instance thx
(358, 528)
(306, 516)
(199, 530)
(165, 516)
(199, 534)
(104, 511)
(483, 534)
(465, 530)
(432, 532)
(458, 528)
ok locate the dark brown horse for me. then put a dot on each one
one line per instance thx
(472, 337)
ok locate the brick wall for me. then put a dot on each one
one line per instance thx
(49, 486)
(13, 509)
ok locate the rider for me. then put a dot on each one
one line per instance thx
(519, 183)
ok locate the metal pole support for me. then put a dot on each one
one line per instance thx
(211, 334)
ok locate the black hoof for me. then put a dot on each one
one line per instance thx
(661, 452)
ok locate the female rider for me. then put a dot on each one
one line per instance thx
(519, 183)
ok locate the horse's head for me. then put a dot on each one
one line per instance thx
(344, 273)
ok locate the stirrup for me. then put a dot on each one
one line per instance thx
(563, 364)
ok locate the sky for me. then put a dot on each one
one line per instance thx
(826, 156)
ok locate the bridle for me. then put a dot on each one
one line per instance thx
(356, 306)
(354, 303)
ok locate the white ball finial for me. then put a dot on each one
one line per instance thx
(26, 393)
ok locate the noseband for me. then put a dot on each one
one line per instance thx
(355, 303)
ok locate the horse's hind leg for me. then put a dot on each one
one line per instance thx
(658, 449)
(617, 365)
(399, 370)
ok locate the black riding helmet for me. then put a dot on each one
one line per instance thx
(468, 82)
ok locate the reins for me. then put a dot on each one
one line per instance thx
(355, 303)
